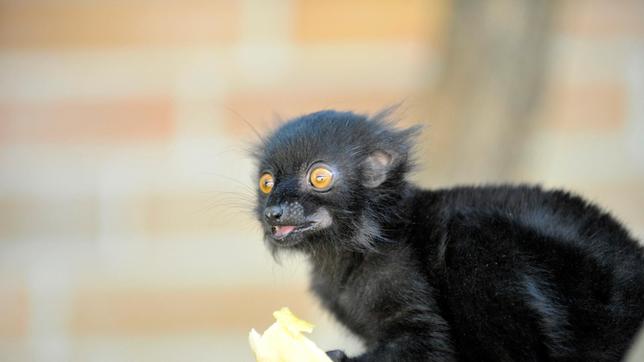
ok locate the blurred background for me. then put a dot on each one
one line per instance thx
(125, 182)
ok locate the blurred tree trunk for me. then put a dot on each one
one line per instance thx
(492, 79)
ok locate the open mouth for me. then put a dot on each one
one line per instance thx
(281, 231)
(289, 235)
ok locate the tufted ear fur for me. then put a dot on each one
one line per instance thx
(376, 167)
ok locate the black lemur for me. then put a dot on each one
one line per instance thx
(498, 273)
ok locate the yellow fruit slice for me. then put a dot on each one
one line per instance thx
(284, 342)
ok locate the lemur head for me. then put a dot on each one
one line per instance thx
(330, 179)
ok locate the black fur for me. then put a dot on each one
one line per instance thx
(502, 273)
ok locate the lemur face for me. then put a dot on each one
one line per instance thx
(316, 175)
(298, 202)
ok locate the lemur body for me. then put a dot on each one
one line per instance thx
(463, 274)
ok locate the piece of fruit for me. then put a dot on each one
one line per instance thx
(284, 342)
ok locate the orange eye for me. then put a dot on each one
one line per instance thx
(266, 183)
(321, 178)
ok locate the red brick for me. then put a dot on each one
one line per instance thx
(77, 23)
(363, 20)
(110, 120)
(14, 311)
(592, 106)
(600, 18)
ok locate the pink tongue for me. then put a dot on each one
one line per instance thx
(284, 230)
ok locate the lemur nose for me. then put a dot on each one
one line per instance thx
(273, 213)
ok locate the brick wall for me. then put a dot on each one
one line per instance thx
(125, 231)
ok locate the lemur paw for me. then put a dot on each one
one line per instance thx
(337, 355)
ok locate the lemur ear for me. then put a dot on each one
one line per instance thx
(375, 168)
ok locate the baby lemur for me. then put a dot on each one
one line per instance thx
(498, 273)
